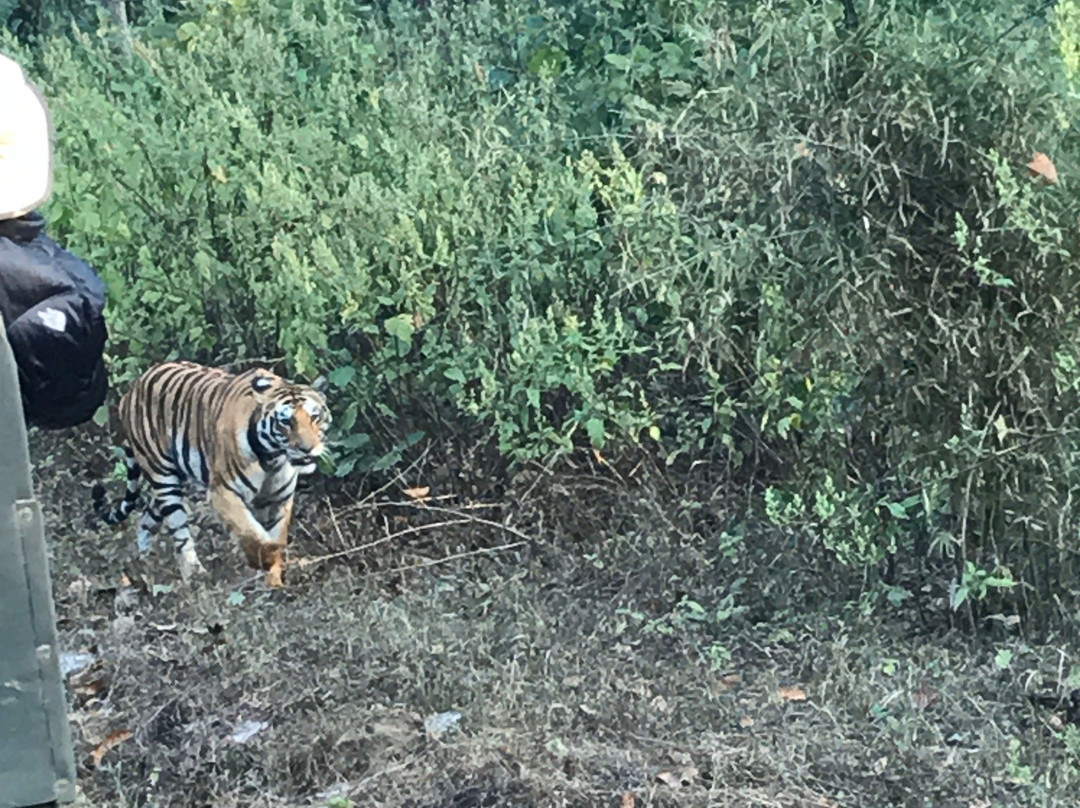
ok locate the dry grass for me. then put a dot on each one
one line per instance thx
(578, 677)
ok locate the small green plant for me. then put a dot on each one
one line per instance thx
(1018, 772)
(1003, 658)
(691, 619)
(976, 583)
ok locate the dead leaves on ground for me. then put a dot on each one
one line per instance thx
(114, 739)
(683, 773)
(925, 697)
(792, 693)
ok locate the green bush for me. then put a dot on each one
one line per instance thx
(744, 234)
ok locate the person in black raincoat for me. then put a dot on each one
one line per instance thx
(51, 301)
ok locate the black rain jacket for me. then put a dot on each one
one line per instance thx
(53, 306)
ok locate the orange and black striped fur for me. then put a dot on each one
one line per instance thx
(244, 438)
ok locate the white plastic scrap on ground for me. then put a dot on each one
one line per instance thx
(74, 661)
(439, 723)
(338, 791)
(244, 731)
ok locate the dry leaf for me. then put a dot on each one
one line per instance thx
(746, 721)
(481, 74)
(880, 765)
(679, 776)
(1056, 723)
(599, 457)
(114, 739)
(793, 693)
(981, 803)
(418, 320)
(729, 682)
(802, 150)
(629, 800)
(420, 494)
(1043, 166)
(89, 689)
(925, 696)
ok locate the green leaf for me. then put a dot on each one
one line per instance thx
(354, 441)
(1003, 659)
(897, 510)
(348, 420)
(340, 377)
(547, 60)
(595, 428)
(343, 468)
(958, 597)
(401, 327)
(897, 595)
(188, 30)
(617, 60)
(235, 598)
(455, 375)
(101, 415)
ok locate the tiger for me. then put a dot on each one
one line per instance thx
(242, 438)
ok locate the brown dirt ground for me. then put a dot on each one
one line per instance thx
(579, 678)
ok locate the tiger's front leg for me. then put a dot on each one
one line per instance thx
(263, 550)
(277, 521)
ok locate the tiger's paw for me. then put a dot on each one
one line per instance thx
(275, 575)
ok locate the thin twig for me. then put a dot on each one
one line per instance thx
(431, 562)
(307, 562)
(468, 506)
(333, 518)
(469, 518)
(398, 476)
(423, 503)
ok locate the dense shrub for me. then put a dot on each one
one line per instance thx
(802, 248)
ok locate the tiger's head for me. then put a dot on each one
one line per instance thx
(291, 418)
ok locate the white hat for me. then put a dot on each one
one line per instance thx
(25, 143)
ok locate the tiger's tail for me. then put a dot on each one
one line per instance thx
(122, 509)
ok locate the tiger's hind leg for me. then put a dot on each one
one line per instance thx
(176, 520)
(149, 523)
(169, 507)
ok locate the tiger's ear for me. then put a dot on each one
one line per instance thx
(320, 385)
(260, 384)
